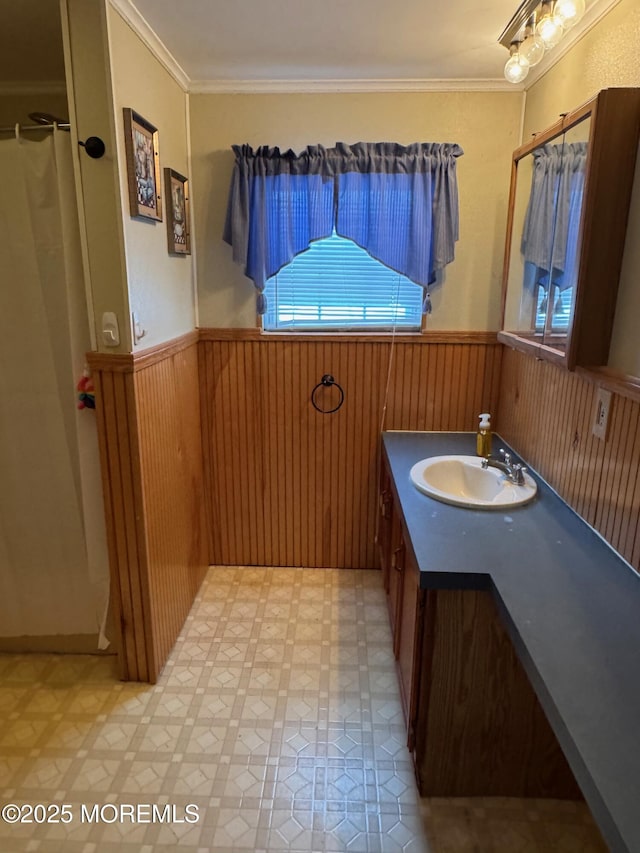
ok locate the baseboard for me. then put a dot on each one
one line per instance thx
(69, 644)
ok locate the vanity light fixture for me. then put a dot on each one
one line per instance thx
(549, 26)
(532, 48)
(569, 12)
(536, 28)
(517, 66)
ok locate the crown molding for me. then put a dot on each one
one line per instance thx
(596, 10)
(33, 87)
(254, 87)
(148, 36)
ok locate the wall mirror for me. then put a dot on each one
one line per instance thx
(570, 193)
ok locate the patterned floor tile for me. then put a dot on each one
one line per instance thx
(277, 717)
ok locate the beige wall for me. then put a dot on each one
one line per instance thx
(160, 285)
(486, 125)
(606, 56)
(91, 114)
(16, 107)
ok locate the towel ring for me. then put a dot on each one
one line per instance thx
(326, 382)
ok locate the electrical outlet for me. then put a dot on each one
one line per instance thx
(601, 414)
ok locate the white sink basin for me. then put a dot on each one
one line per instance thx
(462, 481)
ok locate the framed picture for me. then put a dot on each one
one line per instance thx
(176, 188)
(143, 166)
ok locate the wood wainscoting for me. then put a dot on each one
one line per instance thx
(151, 453)
(289, 486)
(547, 414)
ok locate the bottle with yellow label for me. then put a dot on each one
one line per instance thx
(483, 440)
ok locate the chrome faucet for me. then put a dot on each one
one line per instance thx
(513, 471)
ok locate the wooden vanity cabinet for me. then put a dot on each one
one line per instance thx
(391, 547)
(405, 600)
(474, 724)
(383, 534)
(408, 639)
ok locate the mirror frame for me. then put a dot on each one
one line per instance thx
(613, 145)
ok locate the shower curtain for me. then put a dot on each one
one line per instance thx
(53, 556)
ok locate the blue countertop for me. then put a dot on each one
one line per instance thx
(571, 605)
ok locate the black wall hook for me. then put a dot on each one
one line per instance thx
(94, 147)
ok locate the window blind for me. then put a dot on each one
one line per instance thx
(336, 285)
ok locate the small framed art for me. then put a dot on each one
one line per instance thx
(176, 188)
(143, 166)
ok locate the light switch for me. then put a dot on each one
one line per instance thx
(110, 330)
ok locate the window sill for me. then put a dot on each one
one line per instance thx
(427, 337)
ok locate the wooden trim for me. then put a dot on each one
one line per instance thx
(133, 362)
(154, 355)
(564, 123)
(444, 337)
(507, 246)
(613, 380)
(150, 436)
(624, 384)
(113, 362)
(537, 350)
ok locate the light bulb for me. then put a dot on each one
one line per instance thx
(569, 12)
(532, 49)
(517, 67)
(549, 27)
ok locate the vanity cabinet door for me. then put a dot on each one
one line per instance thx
(396, 577)
(481, 731)
(405, 599)
(383, 536)
(391, 549)
(409, 639)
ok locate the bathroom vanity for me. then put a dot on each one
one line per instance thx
(516, 635)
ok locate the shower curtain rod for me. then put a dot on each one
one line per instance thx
(93, 145)
(12, 129)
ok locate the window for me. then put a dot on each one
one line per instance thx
(561, 309)
(395, 208)
(336, 285)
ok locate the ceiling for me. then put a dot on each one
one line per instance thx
(264, 42)
(283, 40)
(303, 40)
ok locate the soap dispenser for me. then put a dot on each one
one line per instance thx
(483, 440)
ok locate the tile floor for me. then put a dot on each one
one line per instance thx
(277, 715)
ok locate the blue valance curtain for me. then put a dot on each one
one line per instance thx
(399, 203)
(552, 223)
